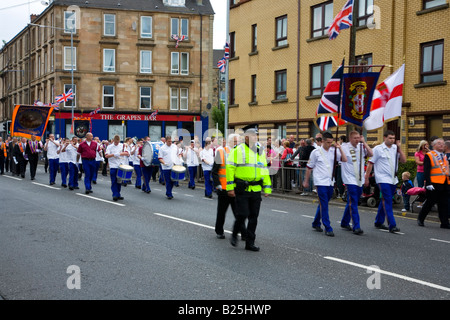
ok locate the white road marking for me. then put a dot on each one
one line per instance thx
(394, 232)
(94, 198)
(396, 275)
(13, 178)
(310, 217)
(44, 185)
(281, 211)
(438, 240)
(187, 221)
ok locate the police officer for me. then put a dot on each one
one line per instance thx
(247, 175)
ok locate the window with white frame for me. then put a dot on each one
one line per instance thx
(146, 61)
(68, 58)
(70, 21)
(108, 97)
(109, 60)
(179, 98)
(145, 101)
(179, 27)
(146, 27)
(180, 63)
(109, 24)
(73, 102)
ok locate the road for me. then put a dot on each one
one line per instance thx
(149, 247)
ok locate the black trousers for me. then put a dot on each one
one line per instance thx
(22, 168)
(223, 202)
(2, 164)
(248, 205)
(33, 166)
(440, 196)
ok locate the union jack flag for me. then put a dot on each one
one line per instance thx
(178, 39)
(327, 114)
(343, 20)
(153, 115)
(65, 96)
(222, 64)
(227, 51)
(95, 112)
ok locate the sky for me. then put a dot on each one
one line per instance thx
(15, 14)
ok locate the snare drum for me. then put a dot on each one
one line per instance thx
(178, 173)
(124, 173)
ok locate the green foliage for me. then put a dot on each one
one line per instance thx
(218, 116)
(409, 166)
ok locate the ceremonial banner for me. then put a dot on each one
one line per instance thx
(81, 127)
(30, 121)
(358, 90)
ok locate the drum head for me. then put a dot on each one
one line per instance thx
(147, 153)
(178, 168)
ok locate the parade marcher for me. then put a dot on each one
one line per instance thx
(219, 176)
(322, 160)
(145, 170)
(12, 160)
(8, 154)
(3, 155)
(437, 181)
(63, 162)
(72, 156)
(191, 155)
(88, 149)
(34, 148)
(105, 144)
(247, 175)
(166, 156)
(116, 154)
(352, 173)
(207, 158)
(137, 163)
(384, 160)
(21, 157)
(51, 146)
(98, 159)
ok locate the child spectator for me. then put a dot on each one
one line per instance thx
(406, 185)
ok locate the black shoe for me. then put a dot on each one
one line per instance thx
(318, 229)
(94, 182)
(52, 183)
(381, 226)
(64, 185)
(251, 247)
(76, 188)
(420, 223)
(31, 178)
(115, 198)
(329, 233)
(348, 228)
(170, 198)
(137, 187)
(234, 240)
(70, 188)
(87, 192)
(394, 230)
(120, 198)
(358, 231)
(220, 236)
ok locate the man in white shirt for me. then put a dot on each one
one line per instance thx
(191, 155)
(72, 155)
(63, 162)
(166, 156)
(51, 146)
(384, 162)
(352, 173)
(115, 154)
(323, 160)
(98, 159)
(207, 158)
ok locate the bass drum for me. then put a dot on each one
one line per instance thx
(150, 152)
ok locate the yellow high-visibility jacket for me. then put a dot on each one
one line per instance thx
(245, 164)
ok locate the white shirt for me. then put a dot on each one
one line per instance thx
(117, 160)
(98, 154)
(52, 149)
(350, 169)
(63, 156)
(192, 157)
(168, 155)
(322, 162)
(208, 156)
(384, 163)
(71, 152)
(134, 155)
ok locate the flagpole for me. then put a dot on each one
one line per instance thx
(227, 73)
(352, 51)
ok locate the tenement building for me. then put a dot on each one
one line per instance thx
(129, 58)
(281, 61)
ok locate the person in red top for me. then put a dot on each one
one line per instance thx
(87, 150)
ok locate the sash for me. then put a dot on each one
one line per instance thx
(4, 149)
(355, 166)
(33, 146)
(440, 161)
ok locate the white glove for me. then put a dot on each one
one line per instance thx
(116, 155)
(430, 187)
(219, 187)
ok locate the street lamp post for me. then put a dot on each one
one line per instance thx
(71, 52)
